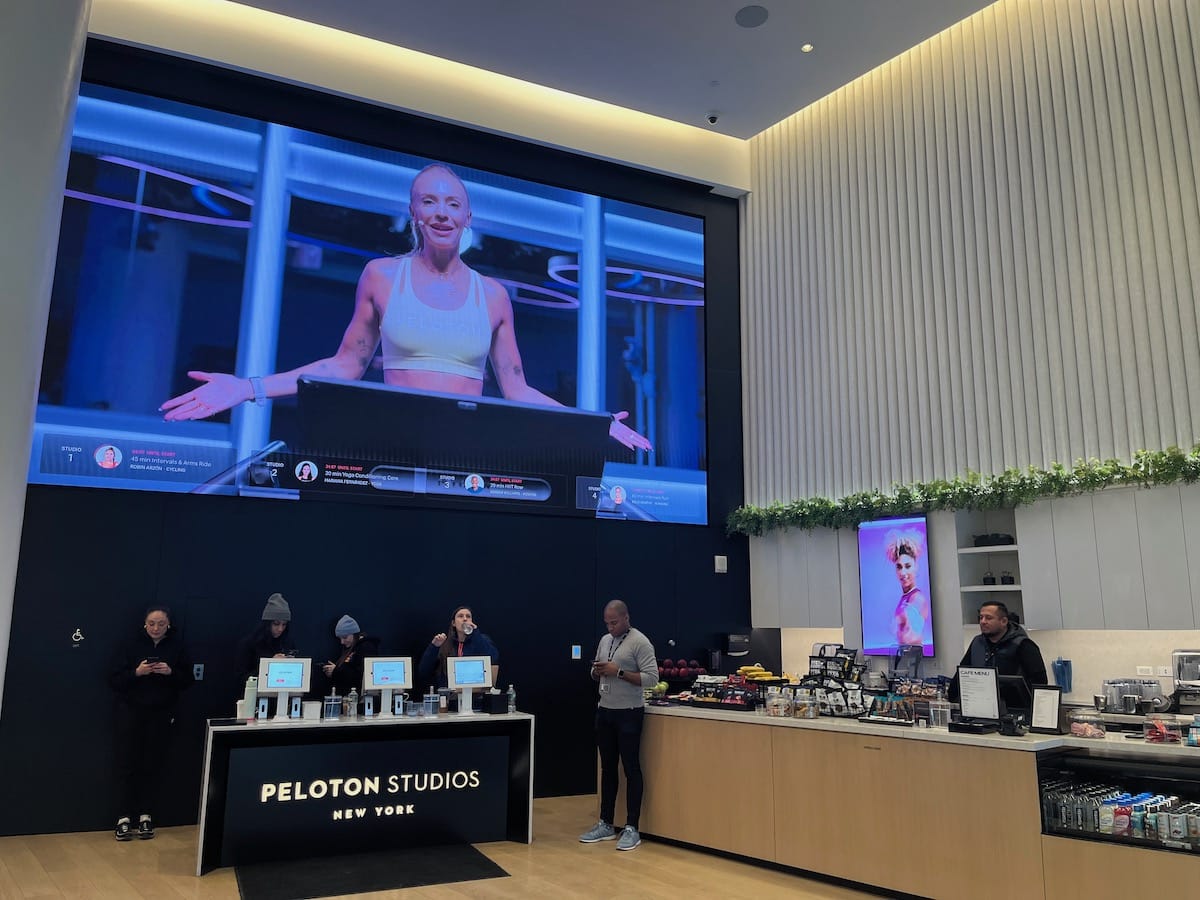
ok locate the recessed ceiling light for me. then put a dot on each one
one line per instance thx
(751, 16)
(806, 48)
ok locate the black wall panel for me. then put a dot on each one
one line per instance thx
(93, 559)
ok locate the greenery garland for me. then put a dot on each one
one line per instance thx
(1011, 488)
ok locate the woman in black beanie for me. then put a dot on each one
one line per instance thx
(271, 639)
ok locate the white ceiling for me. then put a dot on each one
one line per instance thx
(678, 59)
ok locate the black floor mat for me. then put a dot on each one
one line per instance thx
(360, 873)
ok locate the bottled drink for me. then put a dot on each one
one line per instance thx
(352, 704)
(512, 699)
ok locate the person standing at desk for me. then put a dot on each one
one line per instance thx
(270, 640)
(464, 639)
(1004, 646)
(147, 675)
(624, 666)
(347, 671)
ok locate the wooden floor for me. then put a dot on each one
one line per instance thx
(94, 865)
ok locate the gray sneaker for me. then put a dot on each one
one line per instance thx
(629, 838)
(601, 832)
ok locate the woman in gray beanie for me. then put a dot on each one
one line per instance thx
(271, 639)
(347, 671)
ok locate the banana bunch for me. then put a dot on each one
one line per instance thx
(755, 673)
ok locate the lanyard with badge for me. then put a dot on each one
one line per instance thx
(612, 651)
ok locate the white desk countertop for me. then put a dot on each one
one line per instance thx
(272, 724)
(1111, 743)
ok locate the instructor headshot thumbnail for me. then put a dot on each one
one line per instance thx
(107, 456)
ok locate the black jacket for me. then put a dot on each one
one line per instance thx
(260, 645)
(350, 673)
(1014, 654)
(151, 691)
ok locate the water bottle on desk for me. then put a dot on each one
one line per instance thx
(512, 698)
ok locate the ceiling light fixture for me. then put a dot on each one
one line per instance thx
(806, 48)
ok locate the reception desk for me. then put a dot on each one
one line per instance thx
(917, 811)
(305, 788)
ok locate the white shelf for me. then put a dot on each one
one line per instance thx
(998, 548)
(988, 588)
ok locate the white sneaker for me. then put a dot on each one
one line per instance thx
(629, 838)
(601, 832)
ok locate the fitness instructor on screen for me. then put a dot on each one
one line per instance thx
(439, 321)
(912, 617)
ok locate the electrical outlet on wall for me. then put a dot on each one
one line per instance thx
(198, 671)
(1164, 671)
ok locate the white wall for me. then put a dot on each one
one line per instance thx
(984, 253)
(1097, 655)
(41, 46)
(1094, 655)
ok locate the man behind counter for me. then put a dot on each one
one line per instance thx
(1003, 645)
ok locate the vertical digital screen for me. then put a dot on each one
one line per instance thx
(893, 568)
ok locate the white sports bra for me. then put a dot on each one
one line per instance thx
(417, 336)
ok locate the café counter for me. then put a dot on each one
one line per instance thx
(301, 788)
(920, 811)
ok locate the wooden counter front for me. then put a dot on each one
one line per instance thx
(1083, 870)
(907, 815)
(899, 813)
(705, 785)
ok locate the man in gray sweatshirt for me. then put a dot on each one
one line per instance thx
(623, 667)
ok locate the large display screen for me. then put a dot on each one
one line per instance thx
(893, 569)
(242, 307)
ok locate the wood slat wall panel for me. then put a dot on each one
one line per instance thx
(985, 253)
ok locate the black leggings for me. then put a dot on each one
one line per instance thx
(142, 736)
(619, 735)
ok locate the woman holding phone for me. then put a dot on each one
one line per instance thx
(147, 674)
(344, 670)
(271, 639)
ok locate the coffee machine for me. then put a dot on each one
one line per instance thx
(1186, 664)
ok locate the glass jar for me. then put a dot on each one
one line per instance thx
(779, 705)
(1157, 730)
(1087, 725)
(806, 708)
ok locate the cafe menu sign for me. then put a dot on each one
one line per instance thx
(285, 802)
